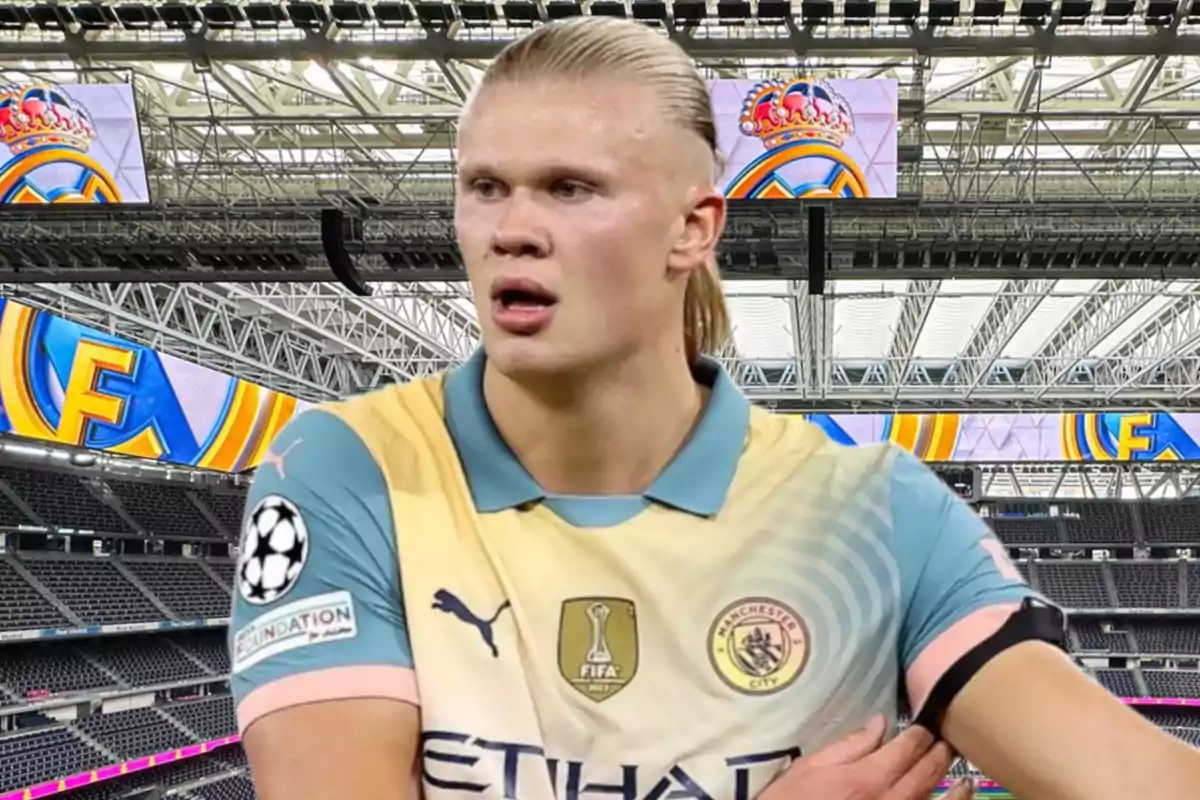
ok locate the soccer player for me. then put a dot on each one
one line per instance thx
(582, 566)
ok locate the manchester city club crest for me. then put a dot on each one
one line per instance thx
(598, 645)
(758, 646)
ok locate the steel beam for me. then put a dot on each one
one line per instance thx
(703, 43)
(415, 242)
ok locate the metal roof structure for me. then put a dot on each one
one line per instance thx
(1040, 253)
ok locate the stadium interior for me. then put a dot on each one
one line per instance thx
(1034, 257)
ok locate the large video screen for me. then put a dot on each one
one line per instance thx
(64, 382)
(70, 143)
(1069, 436)
(803, 138)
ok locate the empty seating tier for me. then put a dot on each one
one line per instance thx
(10, 514)
(22, 607)
(183, 586)
(1097, 637)
(1176, 522)
(1172, 683)
(1118, 681)
(28, 758)
(162, 509)
(39, 670)
(235, 788)
(210, 716)
(1167, 638)
(1074, 584)
(227, 507)
(1146, 585)
(169, 775)
(209, 646)
(94, 590)
(63, 500)
(224, 571)
(138, 732)
(1098, 522)
(144, 660)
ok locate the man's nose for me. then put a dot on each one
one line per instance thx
(520, 232)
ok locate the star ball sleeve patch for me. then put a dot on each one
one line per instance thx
(274, 550)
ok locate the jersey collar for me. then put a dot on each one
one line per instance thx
(697, 481)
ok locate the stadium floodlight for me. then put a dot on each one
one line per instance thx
(987, 12)
(859, 12)
(477, 13)
(136, 16)
(307, 15)
(434, 14)
(179, 16)
(649, 10)
(689, 12)
(51, 18)
(393, 15)
(94, 17)
(1161, 12)
(563, 9)
(608, 8)
(222, 16)
(774, 12)
(1074, 12)
(904, 12)
(520, 13)
(265, 16)
(1117, 12)
(13, 18)
(813, 12)
(1034, 12)
(733, 12)
(350, 14)
(943, 12)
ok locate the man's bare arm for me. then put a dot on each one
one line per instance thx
(1031, 720)
(363, 749)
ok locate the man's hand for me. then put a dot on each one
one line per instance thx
(861, 767)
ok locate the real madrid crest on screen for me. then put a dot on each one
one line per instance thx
(49, 133)
(598, 645)
(274, 550)
(758, 645)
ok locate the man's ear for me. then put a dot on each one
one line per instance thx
(703, 224)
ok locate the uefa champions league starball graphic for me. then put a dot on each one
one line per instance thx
(274, 551)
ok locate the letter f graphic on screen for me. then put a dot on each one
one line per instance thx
(83, 401)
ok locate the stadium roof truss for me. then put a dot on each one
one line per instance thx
(1048, 165)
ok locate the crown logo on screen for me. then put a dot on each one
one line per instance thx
(42, 114)
(784, 111)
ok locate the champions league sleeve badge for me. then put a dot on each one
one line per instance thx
(274, 550)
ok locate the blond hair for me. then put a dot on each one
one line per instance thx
(585, 47)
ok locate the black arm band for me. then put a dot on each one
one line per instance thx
(1034, 621)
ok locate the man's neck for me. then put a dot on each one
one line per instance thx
(611, 434)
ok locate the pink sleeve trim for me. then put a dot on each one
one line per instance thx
(335, 683)
(943, 652)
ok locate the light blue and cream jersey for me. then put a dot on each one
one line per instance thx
(769, 592)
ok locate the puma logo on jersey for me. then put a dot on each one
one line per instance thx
(447, 601)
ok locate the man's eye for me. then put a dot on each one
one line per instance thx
(486, 188)
(570, 190)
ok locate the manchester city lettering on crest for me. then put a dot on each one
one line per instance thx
(758, 646)
(598, 645)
